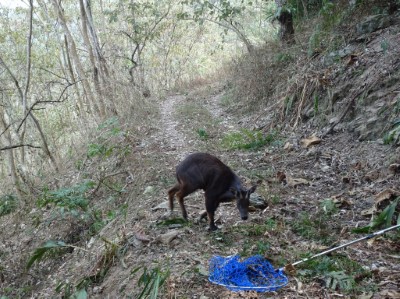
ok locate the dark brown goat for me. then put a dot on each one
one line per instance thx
(220, 183)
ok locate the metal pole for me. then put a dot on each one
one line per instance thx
(347, 244)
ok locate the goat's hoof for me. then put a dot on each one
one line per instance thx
(212, 228)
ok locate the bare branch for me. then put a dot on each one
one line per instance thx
(54, 74)
(21, 94)
(45, 102)
(17, 146)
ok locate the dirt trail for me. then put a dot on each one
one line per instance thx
(171, 138)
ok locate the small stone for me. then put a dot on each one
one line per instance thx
(168, 237)
(394, 168)
(288, 146)
(148, 190)
(202, 270)
(162, 206)
(373, 23)
(257, 201)
(97, 290)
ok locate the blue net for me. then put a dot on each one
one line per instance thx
(252, 274)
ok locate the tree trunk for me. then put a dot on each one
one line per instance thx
(96, 80)
(44, 140)
(28, 77)
(285, 19)
(100, 69)
(94, 107)
(82, 107)
(10, 154)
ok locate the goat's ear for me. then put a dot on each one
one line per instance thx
(233, 190)
(252, 189)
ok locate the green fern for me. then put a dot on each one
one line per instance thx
(339, 280)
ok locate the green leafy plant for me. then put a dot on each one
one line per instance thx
(337, 271)
(104, 145)
(316, 104)
(247, 139)
(70, 200)
(275, 199)
(288, 104)
(99, 221)
(202, 134)
(46, 248)
(95, 149)
(314, 227)
(8, 204)
(173, 221)
(150, 281)
(384, 219)
(67, 291)
(329, 207)
(384, 46)
(394, 134)
(284, 57)
(330, 17)
(271, 224)
(314, 42)
(339, 280)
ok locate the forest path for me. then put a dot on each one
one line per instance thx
(171, 137)
(177, 135)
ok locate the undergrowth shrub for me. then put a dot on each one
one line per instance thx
(151, 281)
(247, 139)
(106, 143)
(70, 200)
(338, 273)
(74, 203)
(8, 204)
(255, 78)
(314, 227)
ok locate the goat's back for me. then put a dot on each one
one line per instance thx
(204, 171)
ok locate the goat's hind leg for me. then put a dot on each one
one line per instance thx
(171, 195)
(181, 195)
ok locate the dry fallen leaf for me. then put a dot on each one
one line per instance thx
(357, 166)
(369, 211)
(366, 296)
(390, 294)
(372, 175)
(140, 234)
(288, 146)
(351, 59)
(290, 270)
(385, 195)
(341, 202)
(307, 142)
(293, 182)
(394, 168)
(281, 176)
